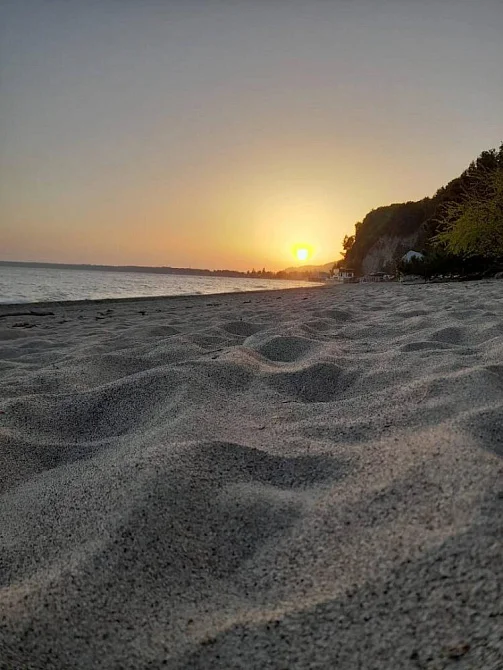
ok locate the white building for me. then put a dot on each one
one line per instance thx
(412, 256)
(345, 273)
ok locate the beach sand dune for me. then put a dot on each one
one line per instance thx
(289, 479)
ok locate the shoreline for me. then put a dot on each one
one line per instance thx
(190, 296)
(156, 298)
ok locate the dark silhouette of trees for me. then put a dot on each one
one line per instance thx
(348, 242)
(464, 219)
(472, 225)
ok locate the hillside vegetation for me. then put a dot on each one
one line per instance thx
(460, 226)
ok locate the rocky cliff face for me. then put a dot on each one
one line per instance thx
(386, 233)
(386, 251)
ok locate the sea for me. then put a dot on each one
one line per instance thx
(20, 284)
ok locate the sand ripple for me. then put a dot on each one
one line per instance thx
(304, 479)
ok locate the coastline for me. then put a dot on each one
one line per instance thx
(306, 477)
(47, 304)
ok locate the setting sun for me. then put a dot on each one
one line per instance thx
(302, 253)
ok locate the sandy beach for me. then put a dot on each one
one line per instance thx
(287, 479)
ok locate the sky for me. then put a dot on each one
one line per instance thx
(224, 134)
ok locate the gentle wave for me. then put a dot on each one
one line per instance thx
(26, 284)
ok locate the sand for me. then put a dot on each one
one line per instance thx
(295, 479)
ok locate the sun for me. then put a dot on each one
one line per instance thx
(302, 253)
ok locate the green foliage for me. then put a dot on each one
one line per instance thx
(431, 265)
(474, 226)
(464, 219)
(441, 263)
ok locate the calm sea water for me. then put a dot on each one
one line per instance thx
(25, 284)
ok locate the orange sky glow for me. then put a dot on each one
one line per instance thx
(228, 135)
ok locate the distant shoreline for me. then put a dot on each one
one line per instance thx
(145, 269)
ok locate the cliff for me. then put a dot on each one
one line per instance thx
(386, 233)
(383, 253)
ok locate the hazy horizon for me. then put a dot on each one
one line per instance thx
(14, 263)
(222, 134)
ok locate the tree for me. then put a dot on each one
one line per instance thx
(460, 227)
(348, 242)
(474, 226)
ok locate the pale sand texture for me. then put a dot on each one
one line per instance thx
(302, 479)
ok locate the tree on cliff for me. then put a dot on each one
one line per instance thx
(463, 219)
(473, 226)
(348, 242)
